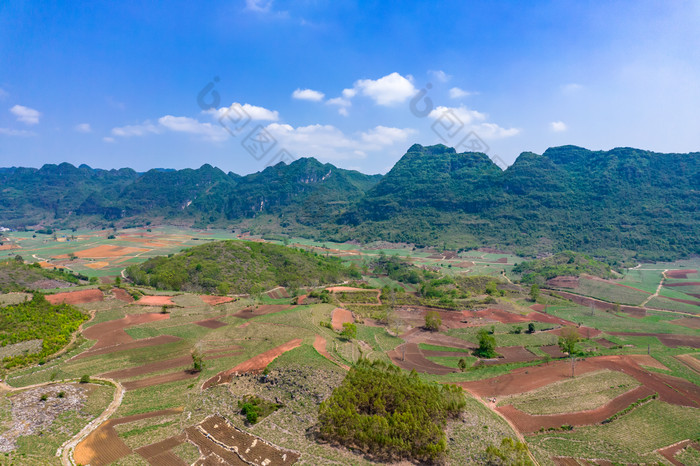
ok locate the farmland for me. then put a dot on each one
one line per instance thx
(629, 369)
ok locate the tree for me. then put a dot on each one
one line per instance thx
(462, 364)
(19, 258)
(349, 331)
(531, 327)
(197, 361)
(534, 292)
(510, 453)
(432, 321)
(118, 280)
(487, 345)
(568, 339)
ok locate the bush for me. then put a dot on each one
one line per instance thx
(349, 331)
(85, 379)
(388, 414)
(487, 345)
(510, 452)
(432, 321)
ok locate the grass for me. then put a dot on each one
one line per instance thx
(659, 302)
(689, 456)
(426, 346)
(583, 393)
(631, 438)
(505, 338)
(452, 361)
(611, 292)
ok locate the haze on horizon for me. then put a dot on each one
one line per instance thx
(350, 83)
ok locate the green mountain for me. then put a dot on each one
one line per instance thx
(239, 267)
(617, 204)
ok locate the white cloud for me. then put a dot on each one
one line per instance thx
(3, 94)
(440, 75)
(108, 139)
(461, 113)
(461, 120)
(390, 90)
(25, 114)
(16, 132)
(192, 126)
(571, 88)
(343, 111)
(385, 136)
(349, 93)
(136, 130)
(83, 128)
(457, 93)
(330, 143)
(261, 6)
(308, 94)
(254, 112)
(558, 126)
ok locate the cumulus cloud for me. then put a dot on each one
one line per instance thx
(330, 143)
(25, 114)
(308, 94)
(190, 125)
(389, 90)
(252, 111)
(454, 123)
(83, 128)
(440, 75)
(136, 130)
(3, 94)
(16, 132)
(457, 93)
(261, 6)
(558, 126)
(108, 139)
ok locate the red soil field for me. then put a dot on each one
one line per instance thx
(156, 301)
(528, 423)
(160, 379)
(215, 300)
(122, 295)
(670, 452)
(224, 350)
(339, 316)
(337, 289)
(254, 364)
(159, 453)
(605, 343)
(6, 247)
(211, 323)
(690, 361)
(685, 301)
(409, 356)
(565, 281)
(647, 360)
(669, 339)
(249, 313)
(683, 284)
(320, 347)
(103, 445)
(76, 297)
(105, 250)
(680, 273)
(585, 332)
(554, 351)
(511, 354)
(498, 315)
(538, 307)
(278, 293)
(670, 389)
(111, 336)
(148, 368)
(419, 335)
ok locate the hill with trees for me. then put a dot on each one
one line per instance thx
(239, 267)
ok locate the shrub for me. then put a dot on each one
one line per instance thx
(487, 345)
(432, 321)
(85, 379)
(349, 331)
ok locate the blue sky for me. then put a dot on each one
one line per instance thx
(115, 84)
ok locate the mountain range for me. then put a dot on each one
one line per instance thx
(619, 204)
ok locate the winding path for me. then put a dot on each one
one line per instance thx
(658, 289)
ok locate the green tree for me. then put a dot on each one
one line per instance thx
(568, 339)
(197, 361)
(534, 292)
(349, 331)
(487, 345)
(432, 321)
(510, 453)
(118, 280)
(462, 364)
(531, 327)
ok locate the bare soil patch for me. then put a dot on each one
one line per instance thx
(103, 251)
(670, 452)
(538, 307)
(159, 453)
(215, 300)
(647, 360)
(554, 351)
(605, 343)
(680, 273)
(585, 332)
(103, 445)
(409, 356)
(122, 295)
(498, 315)
(339, 316)
(689, 361)
(634, 311)
(249, 313)
(338, 289)
(278, 293)
(76, 297)
(156, 301)
(530, 423)
(419, 335)
(134, 344)
(682, 284)
(320, 346)
(564, 281)
(148, 368)
(160, 379)
(254, 364)
(509, 354)
(211, 323)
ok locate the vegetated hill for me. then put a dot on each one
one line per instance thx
(15, 275)
(620, 203)
(564, 263)
(239, 267)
